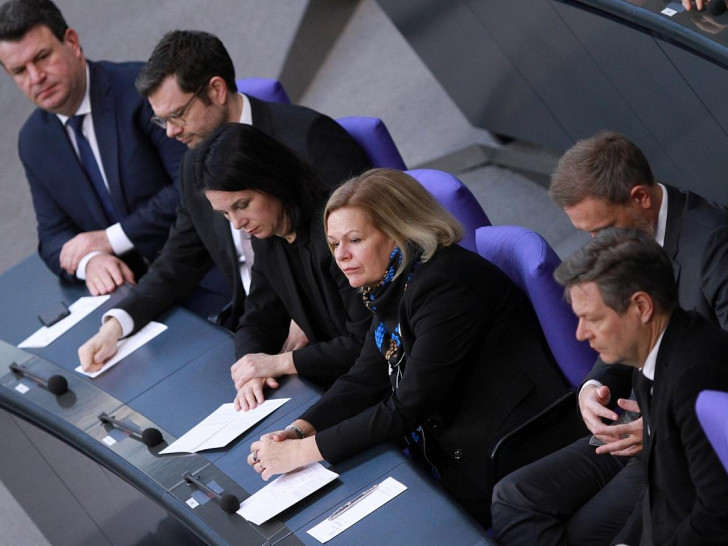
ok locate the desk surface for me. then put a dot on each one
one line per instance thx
(171, 384)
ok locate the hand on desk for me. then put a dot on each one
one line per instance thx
(623, 440)
(105, 272)
(101, 347)
(700, 4)
(255, 371)
(82, 244)
(251, 394)
(280, 452)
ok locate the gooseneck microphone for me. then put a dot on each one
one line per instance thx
(150, 437)
(55, 384)
(229, 503)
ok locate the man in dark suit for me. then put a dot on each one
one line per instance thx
(102, 176)
(622, 290)
(190, 82)
(606, 181)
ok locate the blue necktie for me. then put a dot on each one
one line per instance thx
(92, 168)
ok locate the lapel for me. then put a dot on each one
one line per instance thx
(104, 119)
(675, 209)
(71, 176)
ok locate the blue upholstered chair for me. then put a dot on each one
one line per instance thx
(712, 409)
(455, 197)
(372, 135)
(264, 89)
(530, 262)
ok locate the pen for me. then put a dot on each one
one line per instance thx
(349, 504)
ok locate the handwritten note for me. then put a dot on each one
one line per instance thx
(336, 524)
(284, 492)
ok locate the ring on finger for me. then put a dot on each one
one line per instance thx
(255, 456)
(261, 465)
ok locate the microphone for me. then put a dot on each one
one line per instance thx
(150, 437)
(716, 7)
(55, 384)
(229, 503)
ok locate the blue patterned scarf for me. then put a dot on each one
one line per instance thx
(383, 301)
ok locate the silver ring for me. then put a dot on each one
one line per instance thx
(255, 456)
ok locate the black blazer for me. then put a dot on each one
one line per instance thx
(696, 240)
(201, 237)
(686, 501)
(477, 365)
(141, 165)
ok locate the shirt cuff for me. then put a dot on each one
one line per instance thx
(590, 382)
(124, 318)
(81, 269)
(118, 240)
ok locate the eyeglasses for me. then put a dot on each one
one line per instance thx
(178, 118)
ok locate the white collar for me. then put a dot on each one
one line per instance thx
(662, 218)
(648, 368)
(246, 117)
(85, 106)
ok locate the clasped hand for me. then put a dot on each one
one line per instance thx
(621, 440)
(275, 453)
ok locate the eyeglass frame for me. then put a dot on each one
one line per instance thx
(177, 119)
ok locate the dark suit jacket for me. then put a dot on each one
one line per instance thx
(201, 237)
(477, 365)
(686, 501)
(696, 240)
(141, 165)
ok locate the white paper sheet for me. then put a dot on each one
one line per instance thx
(44, 336)
(128, 345)
(284, 492)
(222, 426)
(384, 492)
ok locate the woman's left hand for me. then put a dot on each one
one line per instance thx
(280, 452)
(274, 453)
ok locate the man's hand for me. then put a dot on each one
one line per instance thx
(700, 4)
(251, 393)
(104, 273)
(296, 339)
(593, 402)
(84, 243)
(100, 348)
(625, 440)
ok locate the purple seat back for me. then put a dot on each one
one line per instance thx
(712, 409)
(457, 198)
(529, 261)
(374, 138)
(264, 89)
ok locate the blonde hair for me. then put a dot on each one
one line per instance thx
(401, 208)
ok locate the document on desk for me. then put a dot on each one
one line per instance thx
(284, 492)
(44, 336)
(356, 509)
(221, 427)
(126, 346)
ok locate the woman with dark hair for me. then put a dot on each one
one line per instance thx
(268, 193)
(248, 190)
(455, 356)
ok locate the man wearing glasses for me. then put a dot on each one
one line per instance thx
(102, 175)
(190, 83)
